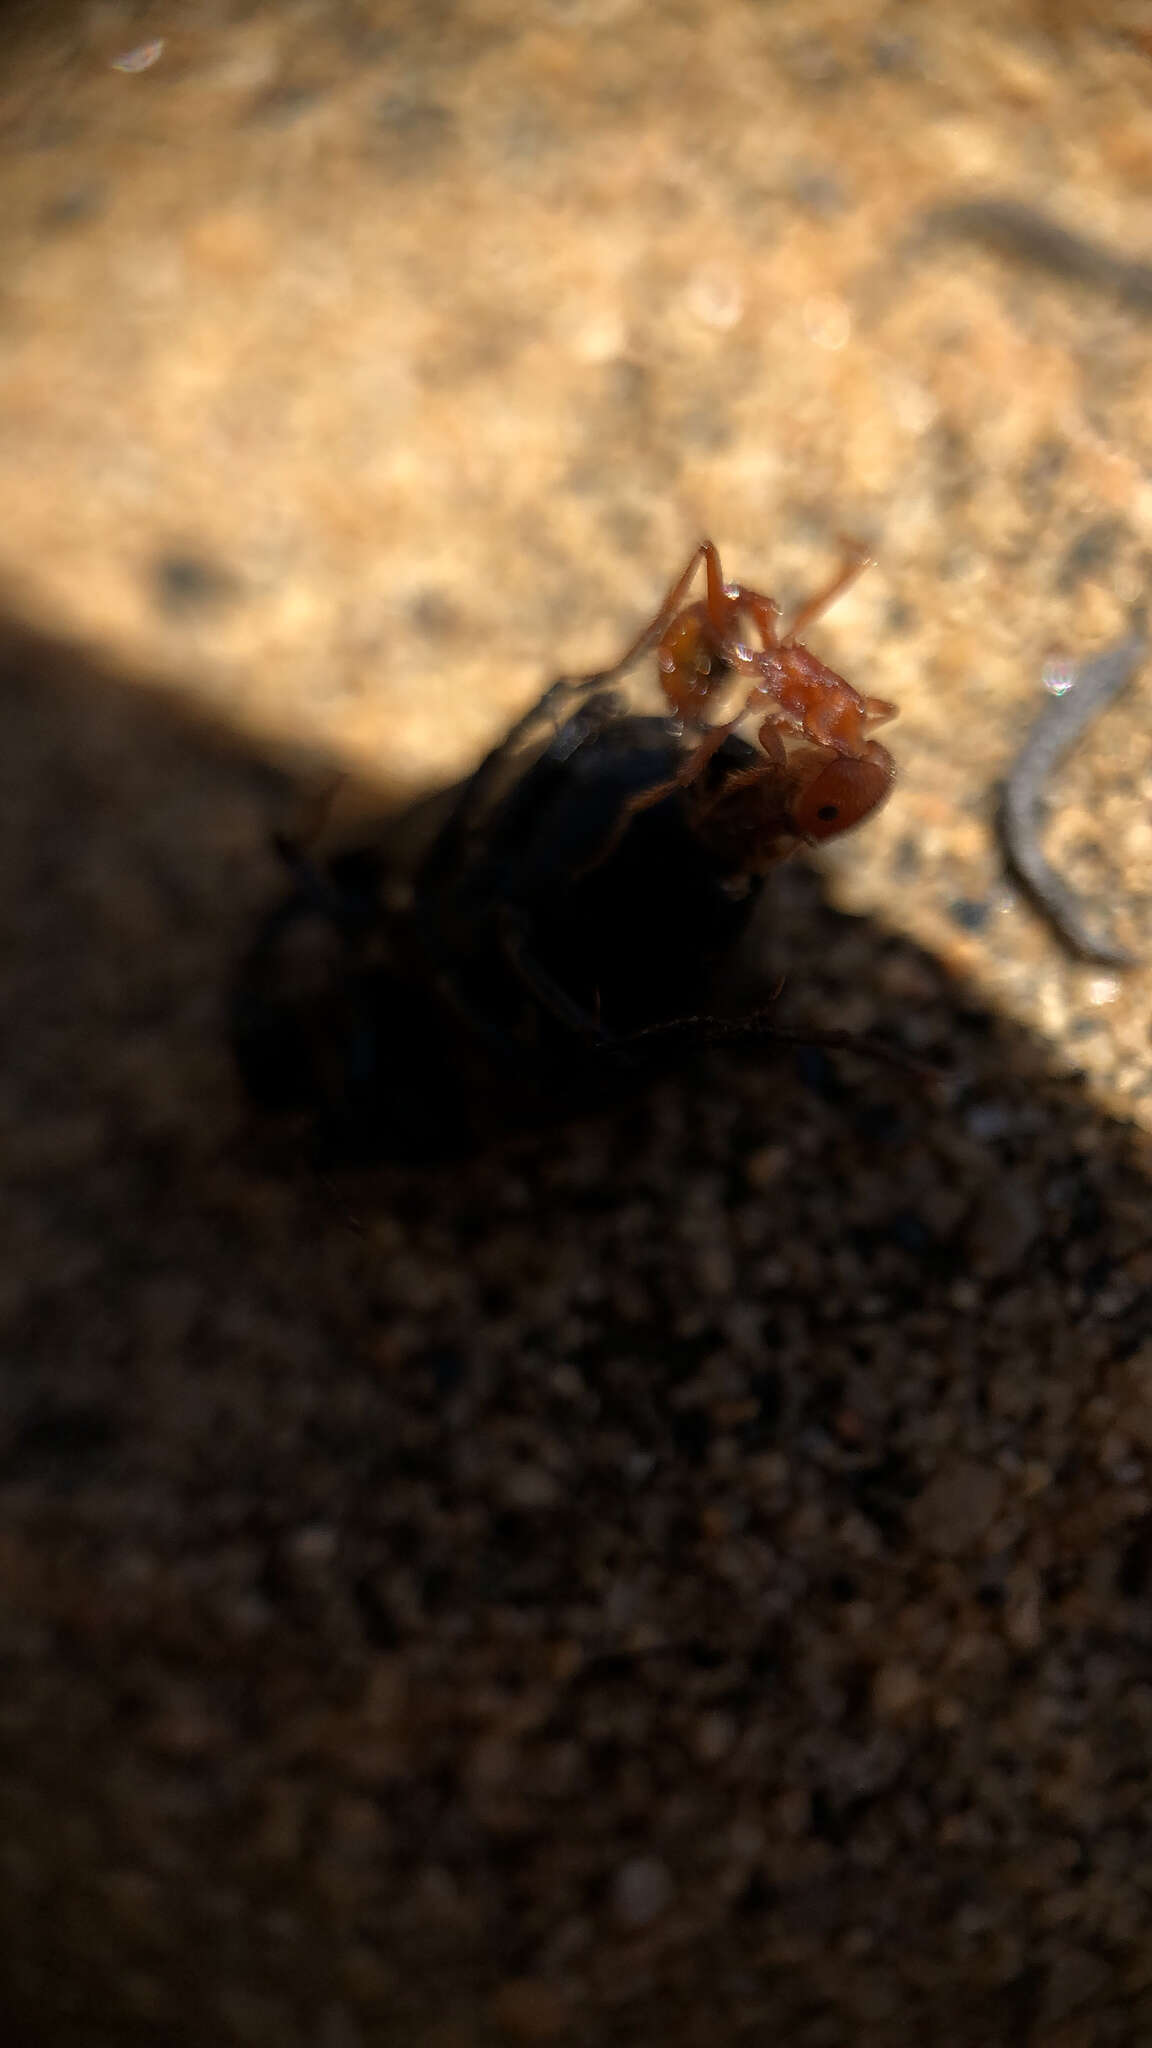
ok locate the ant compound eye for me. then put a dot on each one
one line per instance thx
(842, 793)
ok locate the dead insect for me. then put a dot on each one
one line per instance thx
(539, 938)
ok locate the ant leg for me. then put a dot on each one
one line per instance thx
(856, 560)
(722, 602)
(725, 602)
(766, 690)
(771, 744)
(709, 743)
(645, 799)
(772, 768)
(658, 625)
(690, 769)
(766, 829)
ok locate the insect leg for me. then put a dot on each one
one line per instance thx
(554, 999)
(856, 560)
(662, 618)
(645, 799)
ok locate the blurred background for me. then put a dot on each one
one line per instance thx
(685, 1580)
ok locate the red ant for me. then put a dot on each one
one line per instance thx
(805, 794)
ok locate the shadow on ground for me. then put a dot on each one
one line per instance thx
(683, 1579)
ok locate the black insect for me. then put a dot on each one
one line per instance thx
(545, 935)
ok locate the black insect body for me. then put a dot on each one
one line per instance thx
(417, 1005)
(545, 935)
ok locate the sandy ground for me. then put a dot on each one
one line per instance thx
(685, 1578)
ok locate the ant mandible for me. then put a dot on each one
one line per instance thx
(813, 792)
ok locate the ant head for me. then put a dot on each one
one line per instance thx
(841, 791)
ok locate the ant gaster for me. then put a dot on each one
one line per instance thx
(547, 933)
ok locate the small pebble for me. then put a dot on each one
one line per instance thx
(641, 1891)
(315, 1544)
(529, 2010)
(714, 1736)
(530, 1487)
(896, 1689)
(957, 1506)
